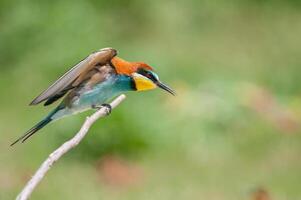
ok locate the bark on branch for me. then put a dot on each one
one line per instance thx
(64, 148)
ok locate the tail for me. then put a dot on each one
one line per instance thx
(37, 127)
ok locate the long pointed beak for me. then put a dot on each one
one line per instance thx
(166, 88)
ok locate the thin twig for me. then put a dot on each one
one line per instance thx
(64, 148)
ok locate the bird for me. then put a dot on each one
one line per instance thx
(89, 84)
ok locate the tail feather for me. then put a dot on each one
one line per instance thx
(33, 130)
(37, 127)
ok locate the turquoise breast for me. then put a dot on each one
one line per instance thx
(101, 93)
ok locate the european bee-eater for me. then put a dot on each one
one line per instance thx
(91, 83)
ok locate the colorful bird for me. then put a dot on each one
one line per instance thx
(91, 83)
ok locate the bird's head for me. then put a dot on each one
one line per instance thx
(146, 79)
(142, 74)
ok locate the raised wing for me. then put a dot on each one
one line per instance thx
(75, 75)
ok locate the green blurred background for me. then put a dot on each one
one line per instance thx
(233, 128)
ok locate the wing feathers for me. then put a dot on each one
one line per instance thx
(75, 74)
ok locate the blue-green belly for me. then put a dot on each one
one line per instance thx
(98, 95)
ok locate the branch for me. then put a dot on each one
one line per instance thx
(64, 148)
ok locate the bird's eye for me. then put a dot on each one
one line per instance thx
(151, 76)
(148, 75)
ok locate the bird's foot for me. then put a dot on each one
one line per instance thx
(106, 105)
(108, 108)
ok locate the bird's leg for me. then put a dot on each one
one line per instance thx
(107, 106)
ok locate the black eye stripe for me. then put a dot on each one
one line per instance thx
(147, 74)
